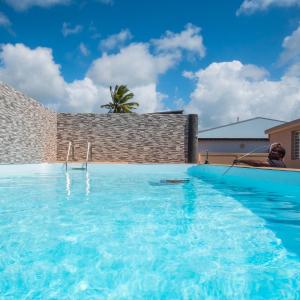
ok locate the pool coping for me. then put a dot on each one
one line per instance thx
(150, 163)
(251, 167)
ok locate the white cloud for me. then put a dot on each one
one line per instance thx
(227, 90)
(4, 20)
(25, 4)
(251, 6)
(68, 30)
(84, 50)
(190, 39)
(84, 96)
(291, 48)
(136, 67)
(293, 70)
(133, 65)
(32, 71)
(148, 97)
(116, 40)
(188, 74)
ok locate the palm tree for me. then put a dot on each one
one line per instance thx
(120, 97)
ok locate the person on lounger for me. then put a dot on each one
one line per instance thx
(275, 158)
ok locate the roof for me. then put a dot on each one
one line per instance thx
(248, 129)
(284, 126)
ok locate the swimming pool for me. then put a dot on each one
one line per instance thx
(119, 232)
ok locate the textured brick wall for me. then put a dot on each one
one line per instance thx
(30, 133)
(124, 137)
(27, 129)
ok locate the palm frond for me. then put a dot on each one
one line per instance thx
(107, 106)
(120, 96)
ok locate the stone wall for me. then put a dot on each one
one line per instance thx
(27, 129)
(152, 138)
(31, 133)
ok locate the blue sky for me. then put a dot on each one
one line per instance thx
(219, 59)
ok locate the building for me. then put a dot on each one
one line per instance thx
(225, 143)
(238, 137)
(288, 134)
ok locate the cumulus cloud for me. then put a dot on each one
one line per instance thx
(149, 98)
(291, 48)
(293, 70)
(84, 96)
(251, 6)
(133, 65)
(116, 40)
(25, 4)
(136, 67)
(68, 30)
(229, 89)
(190, 39)
(34, 72)
(4, 20)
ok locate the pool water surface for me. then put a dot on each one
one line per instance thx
(125, 232)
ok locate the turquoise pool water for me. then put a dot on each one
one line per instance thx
(118, 232)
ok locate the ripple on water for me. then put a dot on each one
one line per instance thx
(119, 236)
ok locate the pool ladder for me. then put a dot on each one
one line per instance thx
(88, 152)
(68, 154)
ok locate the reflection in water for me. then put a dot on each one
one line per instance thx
(68, 184)
(189, 206)
(190, 197)
(87, 183)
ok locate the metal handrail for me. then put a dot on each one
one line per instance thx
(68, 154)
(87, 154)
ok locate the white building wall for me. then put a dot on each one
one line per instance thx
(233, 146)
